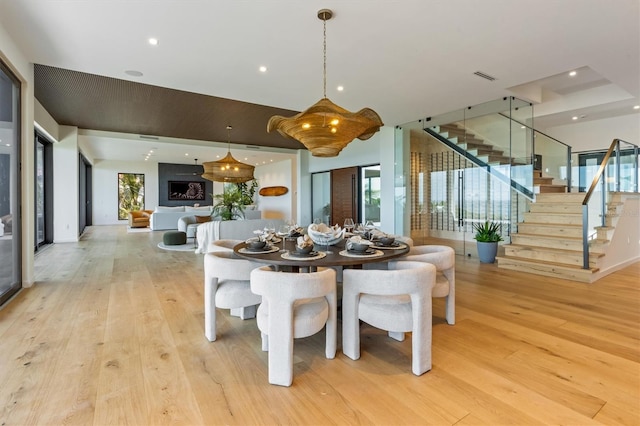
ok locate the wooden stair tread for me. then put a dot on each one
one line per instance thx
(555, 264)
(554, 237)
(552, 250)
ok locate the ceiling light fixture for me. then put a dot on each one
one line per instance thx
(263, 69)
(636, 107)
(228, 169)
(573, 74)
(153, 41)
(325, 128)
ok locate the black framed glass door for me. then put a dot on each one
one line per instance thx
(10, 235)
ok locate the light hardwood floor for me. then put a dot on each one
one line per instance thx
(112, 333)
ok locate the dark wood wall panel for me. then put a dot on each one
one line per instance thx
(344, 195)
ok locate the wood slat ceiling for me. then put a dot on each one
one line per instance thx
(95, 102)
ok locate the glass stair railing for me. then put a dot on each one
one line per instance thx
(496, 137)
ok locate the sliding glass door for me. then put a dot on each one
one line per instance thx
(10, 236)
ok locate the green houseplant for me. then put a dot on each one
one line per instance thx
(487, 236)
(228, 204)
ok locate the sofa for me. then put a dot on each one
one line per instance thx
(188, 223)
(230, 230)
(139, 218)
(164, 218)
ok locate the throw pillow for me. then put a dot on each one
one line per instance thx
(203, 219)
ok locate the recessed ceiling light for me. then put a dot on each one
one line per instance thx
(153, 41)
(133, 73)
(340, 88)
(186, 154)
(573, 74)
(575, 117)
(636, 107)
(263, 68)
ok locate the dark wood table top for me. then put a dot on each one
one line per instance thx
(330, 259)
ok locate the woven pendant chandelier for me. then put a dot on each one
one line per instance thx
(228, 169)
(325, 128)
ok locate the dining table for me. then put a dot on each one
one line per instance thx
(321, 256)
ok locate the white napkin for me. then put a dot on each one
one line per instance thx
(304, 241)
(357, 239)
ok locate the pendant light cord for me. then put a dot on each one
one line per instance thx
(324, 70)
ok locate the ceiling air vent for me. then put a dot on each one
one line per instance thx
(483, 75)
(152, 138)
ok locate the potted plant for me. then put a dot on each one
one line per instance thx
(487, 237)
(228, 204)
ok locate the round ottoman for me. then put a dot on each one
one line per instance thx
(174, 238)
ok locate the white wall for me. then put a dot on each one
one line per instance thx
(65, 186)
(598, 134)
(105, 188)
(281, 173)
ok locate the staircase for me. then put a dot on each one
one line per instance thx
(544, 184)
(549, 241)
(486, 153)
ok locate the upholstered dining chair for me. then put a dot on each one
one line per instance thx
(227, 286)
(397, 300)
(444, 259)
(223, 245)
(294, 305)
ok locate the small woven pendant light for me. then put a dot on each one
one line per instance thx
(228, 169)
(325, 128)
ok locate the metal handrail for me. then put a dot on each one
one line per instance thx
(568, 147)
(615, 146)
(534, 129)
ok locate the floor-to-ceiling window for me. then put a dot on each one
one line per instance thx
(10, 236)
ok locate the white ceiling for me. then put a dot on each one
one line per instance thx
(404, 59)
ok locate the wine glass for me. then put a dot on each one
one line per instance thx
(283, 231)
(348, 224)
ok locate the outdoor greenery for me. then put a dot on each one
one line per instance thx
(488, 232)
(130, 193)
(228, 205)
(247, 190)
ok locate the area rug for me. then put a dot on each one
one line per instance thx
(136, 230)
(190, 246)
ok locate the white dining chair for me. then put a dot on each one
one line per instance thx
(224, 245)
(397, 300)
(444, 259)
(227, 286)
(294, 305)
